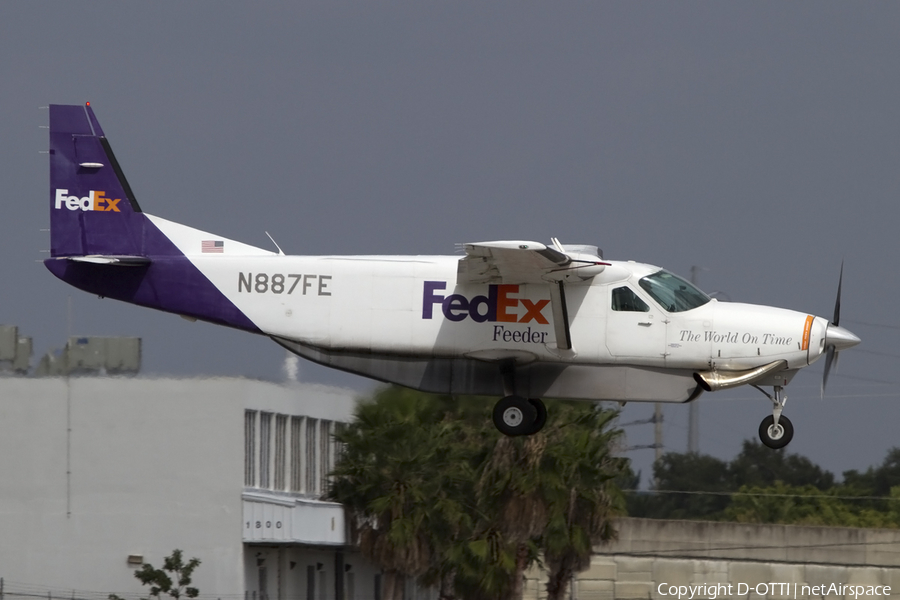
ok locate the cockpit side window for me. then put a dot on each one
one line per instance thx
(625, 300)
(672, 292)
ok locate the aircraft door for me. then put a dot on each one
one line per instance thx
(635, 328)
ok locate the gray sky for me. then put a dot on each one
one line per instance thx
(758, 140)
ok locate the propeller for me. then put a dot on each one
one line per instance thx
(836, 338)
(832, 355)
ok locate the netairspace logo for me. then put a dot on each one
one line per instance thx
(787, 590)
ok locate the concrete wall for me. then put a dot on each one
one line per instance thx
(773, 543)
(758, 561)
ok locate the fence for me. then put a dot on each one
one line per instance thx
(10, 590)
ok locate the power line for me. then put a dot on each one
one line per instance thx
(693, 550)
(877, 353)
(867, 324)
(762, 494)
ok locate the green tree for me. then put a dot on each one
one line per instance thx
(513, 505)
(580, 473)
(757, 465)
(876, 481)
(436, 493)
(772, 487)
(550, 496)
(691, 473)
(807, 505)
(400, 484)
(173, 579)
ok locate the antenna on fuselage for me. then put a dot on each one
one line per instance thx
(280, 251)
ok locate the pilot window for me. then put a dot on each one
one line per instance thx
(625, 300)
(672, 292)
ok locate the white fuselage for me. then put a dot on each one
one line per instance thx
(376, 315)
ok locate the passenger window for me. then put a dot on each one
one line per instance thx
(625, 300)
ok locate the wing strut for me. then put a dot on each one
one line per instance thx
(560, 315)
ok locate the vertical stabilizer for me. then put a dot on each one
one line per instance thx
(92, 208)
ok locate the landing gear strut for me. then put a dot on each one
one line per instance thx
(513, 414)
(776, 430)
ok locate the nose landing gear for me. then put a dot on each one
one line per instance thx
(776, 431)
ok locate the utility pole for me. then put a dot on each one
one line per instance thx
(657, 429)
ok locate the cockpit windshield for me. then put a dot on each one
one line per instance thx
(672, 292)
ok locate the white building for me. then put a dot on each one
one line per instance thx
(98, 475)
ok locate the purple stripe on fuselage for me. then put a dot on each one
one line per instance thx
(169, 283)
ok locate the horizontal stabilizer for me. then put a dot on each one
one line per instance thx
(121, 261)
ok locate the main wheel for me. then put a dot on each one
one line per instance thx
(541, 419)
(776, 436)
(515, 415)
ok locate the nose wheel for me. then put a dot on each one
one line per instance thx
(776, 435)
(515, 415)
(776, 431)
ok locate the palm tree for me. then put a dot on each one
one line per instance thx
(510, 492)
(553, 494)
(434, 492)
(580, 492)
(392, 480)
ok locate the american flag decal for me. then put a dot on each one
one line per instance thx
(215, 246)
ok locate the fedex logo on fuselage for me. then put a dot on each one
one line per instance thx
(95, 200)
(499, 305)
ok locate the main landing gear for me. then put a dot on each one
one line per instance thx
(513, 414)
(776, 430)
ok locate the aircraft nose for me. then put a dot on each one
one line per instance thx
(840, 338)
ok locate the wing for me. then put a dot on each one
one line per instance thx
(520, 262)
(509, 262)
(528, 262)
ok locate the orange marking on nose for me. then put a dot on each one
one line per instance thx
(807, 330)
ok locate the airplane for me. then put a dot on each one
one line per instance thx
(516, 319)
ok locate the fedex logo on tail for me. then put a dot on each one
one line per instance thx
(500, 304)
(95, 200)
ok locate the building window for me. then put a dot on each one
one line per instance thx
(263, 583)
(325, 454)
(312, 481)
(296, 454)
(281, 454)
(350, 583)
(250, 448)
(280, 451)
(265, 450)
(323, 585)
(339, 428)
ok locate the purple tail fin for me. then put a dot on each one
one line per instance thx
(102, 243)
(92, 207)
